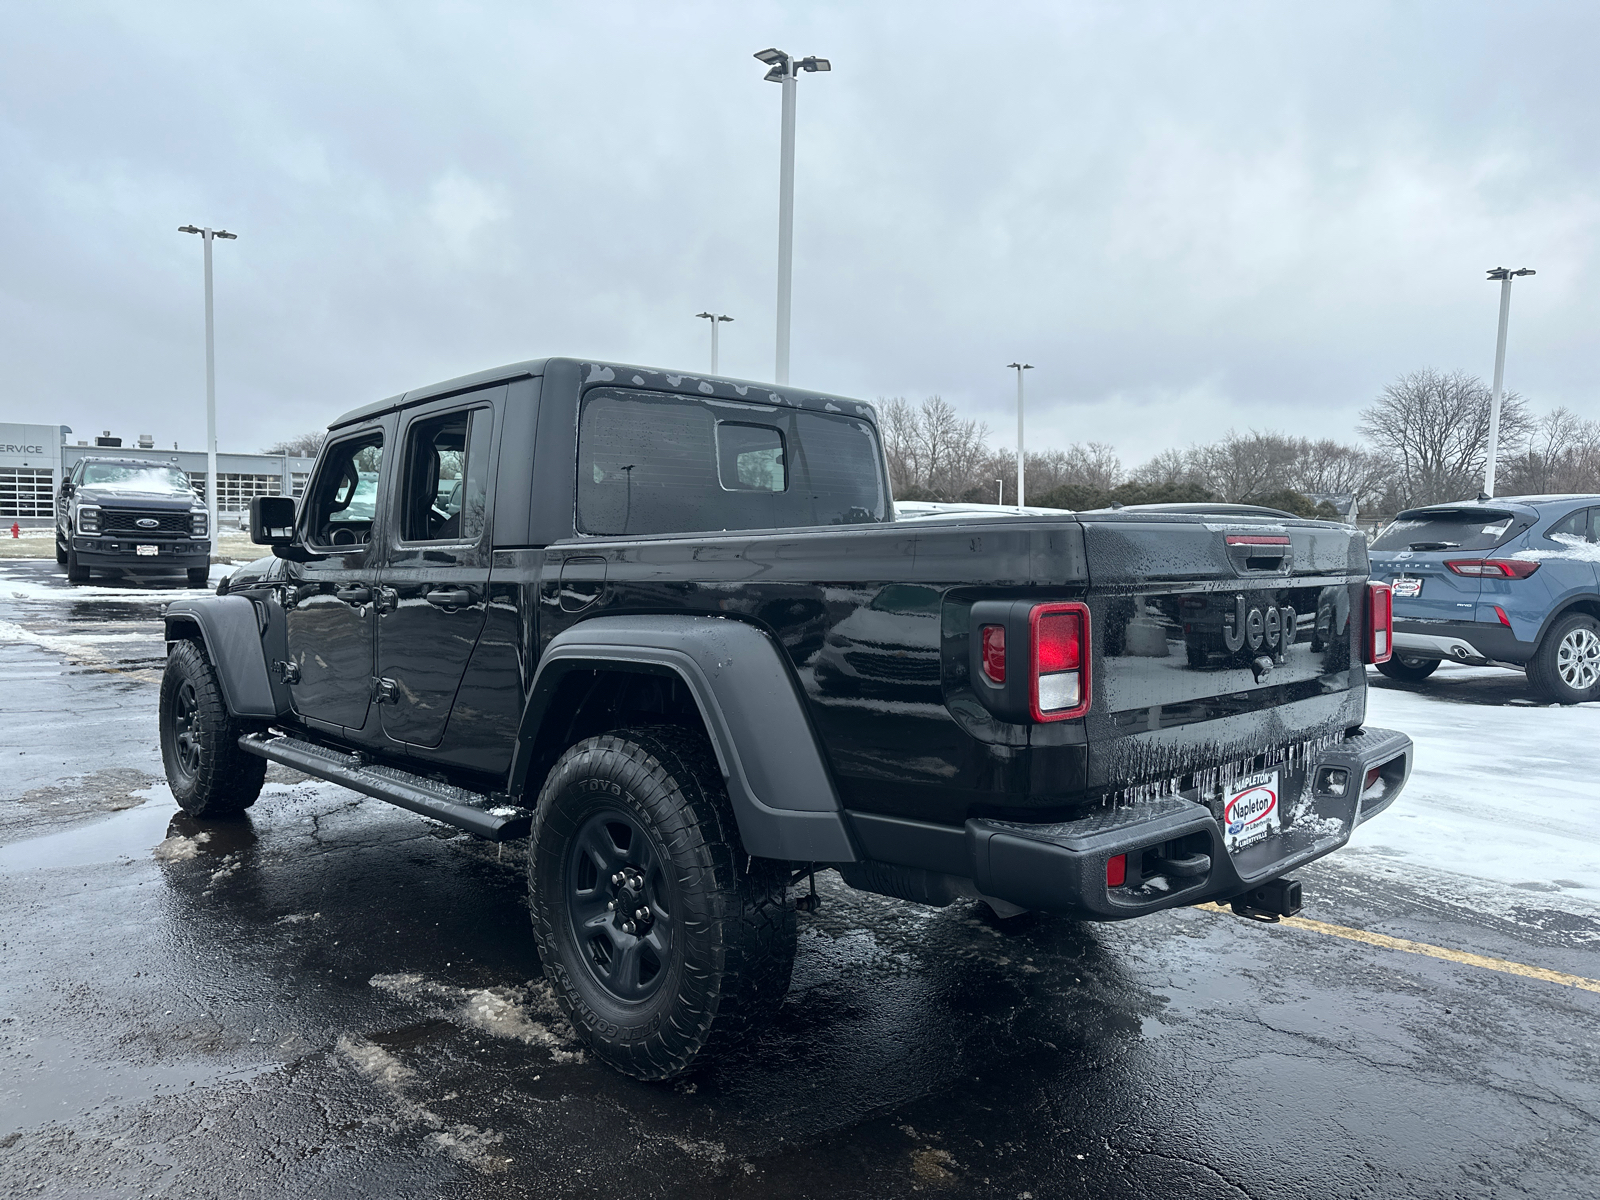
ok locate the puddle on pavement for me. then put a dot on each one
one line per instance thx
(64, 1085)
(128, 834)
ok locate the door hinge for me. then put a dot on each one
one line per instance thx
(385, 691)
(288, 672)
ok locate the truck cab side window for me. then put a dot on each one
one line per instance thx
(446, 478)
(344, 498)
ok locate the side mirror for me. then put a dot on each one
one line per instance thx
(272, 520)
(66, 489)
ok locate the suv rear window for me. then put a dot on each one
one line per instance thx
(1443, 529)
(652, 463)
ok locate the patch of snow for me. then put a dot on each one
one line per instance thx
(1498, 792)
(527, 1014)
(1577, 550)
(178, 848)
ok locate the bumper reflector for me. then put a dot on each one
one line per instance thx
(1117, 870)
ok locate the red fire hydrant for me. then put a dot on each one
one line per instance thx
(16, 530)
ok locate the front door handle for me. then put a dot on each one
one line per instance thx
(356, 594)
(449, 597)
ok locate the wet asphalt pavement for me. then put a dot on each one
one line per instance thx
(337, 998)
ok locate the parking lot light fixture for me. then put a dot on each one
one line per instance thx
(714, 318)
(1503, 277)
(206, 236)
(784, 68)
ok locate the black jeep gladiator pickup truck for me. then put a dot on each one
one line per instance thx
(667, 629)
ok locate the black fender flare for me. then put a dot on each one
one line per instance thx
(783, 795)
(231, 630)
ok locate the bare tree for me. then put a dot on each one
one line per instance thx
(1242, 468)
(1091, 465)
(1166, 469)
(933, 454)
(305, 445)
(1433, 428)
(1562, 454)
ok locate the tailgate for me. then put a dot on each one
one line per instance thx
(1221, 645)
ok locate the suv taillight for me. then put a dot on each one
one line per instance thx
(1494, 568)
(1059, 678)
(1379, 640)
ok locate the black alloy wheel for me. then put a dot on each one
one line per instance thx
(185, 732)
(1407, 669)
(620, 905)
(661, 938)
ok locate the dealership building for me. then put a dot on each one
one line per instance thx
(34, 459)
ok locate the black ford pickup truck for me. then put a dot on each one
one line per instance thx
(667, 629)
(131, 516)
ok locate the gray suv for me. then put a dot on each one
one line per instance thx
(1513, 581)
(130, 516)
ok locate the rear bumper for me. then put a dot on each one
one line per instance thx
(1474, 642)
(1062, 867)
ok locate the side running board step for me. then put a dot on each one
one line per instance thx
(472, 811)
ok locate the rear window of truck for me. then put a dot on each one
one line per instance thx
(652, 463)
(1472, 529)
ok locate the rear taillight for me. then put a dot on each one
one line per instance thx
(1059, 683)
(994, 653)
(1494, 568)
(1379, 641)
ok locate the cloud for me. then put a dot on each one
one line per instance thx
(1189, 218)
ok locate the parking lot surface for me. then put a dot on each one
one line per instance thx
(336, 998)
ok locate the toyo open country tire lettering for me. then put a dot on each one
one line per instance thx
(1407, 669)
(1566, 666)
(209, 774)
(661, 937)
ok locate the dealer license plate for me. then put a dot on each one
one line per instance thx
(1406, 589)
(148, 551)
(1250, 810)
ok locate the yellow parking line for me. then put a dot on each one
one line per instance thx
(1383, 940)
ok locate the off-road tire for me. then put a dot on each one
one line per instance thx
(208, 773)
(1566, 666)
(1407, 669)
(198, 576)
(61, 552)
(76, 572)
(730, 930)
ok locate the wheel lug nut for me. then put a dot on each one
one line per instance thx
(642, 913)
(627, 927)
(611, 906)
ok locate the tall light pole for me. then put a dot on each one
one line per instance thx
(1020, 367)
(1504, 277)
(785, 69)
(206, 234)
(713, 318)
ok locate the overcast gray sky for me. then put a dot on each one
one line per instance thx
(1190, 217)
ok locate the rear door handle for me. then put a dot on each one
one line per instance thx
(358, 594)
(449, 597)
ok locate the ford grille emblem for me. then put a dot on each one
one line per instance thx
(147, 523)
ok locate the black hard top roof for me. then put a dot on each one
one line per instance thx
(623, 375)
